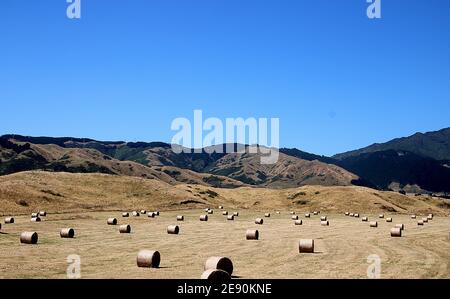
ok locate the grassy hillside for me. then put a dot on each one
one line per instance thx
(25, 192)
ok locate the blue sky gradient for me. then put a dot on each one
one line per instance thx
(336, 79)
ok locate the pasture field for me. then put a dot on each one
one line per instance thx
(341, 249)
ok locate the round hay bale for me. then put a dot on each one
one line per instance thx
(430, 217)
(381, 216)
(221, 207)
(347, 213)
(267, 215)
(9, 220)
(203, 217)
(236, 214)
(35, 219)
(143, 212)
(316, 213)
(210, 212)
(173, 229)
(135, 214)
(125, 214)
(425, 220)
(43, 213)
(413, 216)
(324, 223)
(112, 221)
(278, 212)
(151, 214)
(306, 246)
(34, 215)
(401, 226)
(125, 229)
(420, 222)
(294, 217)
(323, 218)
(396, 232)
(216, 276)
(292, 213)
(220, 263)
(148, 259)
(351, 214)
(298, 222)
(180, 218)
(307, 215)
(230, 217)
(67, 233)
(373, 224)
(156, 213)
(259, 221)
(29, 237)
(356, 215)
(224, 213)
(365, 219)
(252, 234)
(206, 210)
(388, 219)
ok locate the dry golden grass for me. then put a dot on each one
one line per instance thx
(85, 201)
(341, 249)
(25, 192)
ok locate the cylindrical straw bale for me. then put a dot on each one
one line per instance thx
(173, 229)
(216, 276)
(67, 233)
(125, 229)
(29, 237)
(203, 217)
(112, 221)
(219, 262)
(396, 232)
(148, 259)
(252, 234)
(259, 221)
(306, 246)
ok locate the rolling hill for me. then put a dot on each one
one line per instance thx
(157, 160)
(434, 145)
(418, 163)
(24, 192)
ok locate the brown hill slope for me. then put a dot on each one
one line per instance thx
(287, 172)
(142, 159)
(53, 157)
(25, 192)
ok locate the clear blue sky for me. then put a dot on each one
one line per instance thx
(336, 79)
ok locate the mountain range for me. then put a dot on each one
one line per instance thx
(418, 163)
